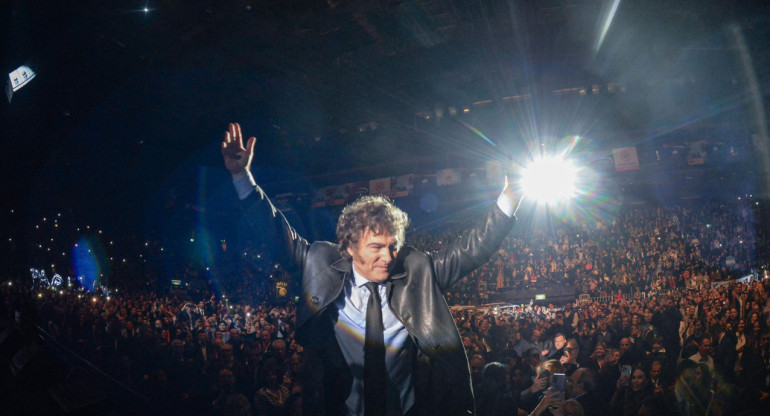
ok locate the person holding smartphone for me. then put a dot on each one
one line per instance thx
(545, 372)
(630, 392)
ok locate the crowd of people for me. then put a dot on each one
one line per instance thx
(686, 352)
(693, 350)
(641, 249)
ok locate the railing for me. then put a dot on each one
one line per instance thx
(636, 295)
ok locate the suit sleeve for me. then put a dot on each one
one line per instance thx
(259, 215)
(473, 249)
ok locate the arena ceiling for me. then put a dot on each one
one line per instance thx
(128, 93)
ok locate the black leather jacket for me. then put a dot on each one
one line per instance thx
(415, 296)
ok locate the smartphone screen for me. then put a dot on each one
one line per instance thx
(558, 381)
(625, 371)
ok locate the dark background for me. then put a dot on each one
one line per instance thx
(122, 125)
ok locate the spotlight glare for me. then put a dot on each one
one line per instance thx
(549, 179)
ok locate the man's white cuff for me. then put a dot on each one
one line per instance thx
(244, 184)
(506, 205)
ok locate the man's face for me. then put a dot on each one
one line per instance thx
(559, 342)
(279, 348)
(466, 342)
(477, 366)
(484, 326)
(374, 255)
(705, 347)
(536, 335)
(655, 371)
(625, 345)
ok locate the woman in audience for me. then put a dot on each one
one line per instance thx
(630, 393)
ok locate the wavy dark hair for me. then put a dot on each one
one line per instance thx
(375, 213)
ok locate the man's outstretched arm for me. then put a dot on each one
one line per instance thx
(478, 244)
(258, 210)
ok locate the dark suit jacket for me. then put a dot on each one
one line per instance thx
(725, 357)
(415, 296)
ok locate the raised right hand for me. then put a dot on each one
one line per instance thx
(621, 382)
(237, 158)
(539, 385)
(553, 399)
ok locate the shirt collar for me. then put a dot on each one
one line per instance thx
(358, 280)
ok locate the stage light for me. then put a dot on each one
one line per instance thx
(549, 179)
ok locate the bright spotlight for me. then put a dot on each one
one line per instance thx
(549, 179)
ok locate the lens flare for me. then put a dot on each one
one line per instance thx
(549, 179)
(89, 262)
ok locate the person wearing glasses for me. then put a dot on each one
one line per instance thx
(570, 357)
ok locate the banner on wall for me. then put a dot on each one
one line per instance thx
(355, 190)
(379, 186)
(447, 177)
(745, 280)
(625, 159)
(403, 186)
